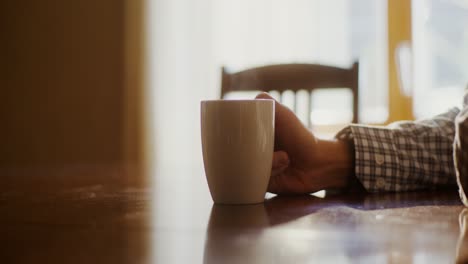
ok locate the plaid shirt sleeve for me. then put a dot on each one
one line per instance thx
(412, 155)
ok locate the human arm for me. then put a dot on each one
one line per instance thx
(408, 155)
(303, 163)
(413, 155)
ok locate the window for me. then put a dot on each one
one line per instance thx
(248, 33)
(440, 47)
(189, 41)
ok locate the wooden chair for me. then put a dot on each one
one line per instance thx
(294, 77)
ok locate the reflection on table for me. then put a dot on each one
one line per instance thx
(390, 228)
(175, 221)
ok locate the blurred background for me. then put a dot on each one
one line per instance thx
(118, 83)
(107, 93)
(413, 58)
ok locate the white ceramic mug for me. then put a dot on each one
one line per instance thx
(237, 141)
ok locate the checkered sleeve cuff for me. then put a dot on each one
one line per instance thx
(405, 155)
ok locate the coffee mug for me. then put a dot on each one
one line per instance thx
(237, 142)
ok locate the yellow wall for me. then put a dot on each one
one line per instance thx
(399, 29)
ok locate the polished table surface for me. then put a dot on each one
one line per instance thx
(173, 220)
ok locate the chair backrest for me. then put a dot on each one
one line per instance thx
(294, 77)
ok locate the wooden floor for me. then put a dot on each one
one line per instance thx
(173, 220)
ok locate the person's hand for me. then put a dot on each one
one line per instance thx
(303, 163)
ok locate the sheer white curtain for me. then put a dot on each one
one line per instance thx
(180, 74)
(440, 53)
(190, 41)
(248, 33)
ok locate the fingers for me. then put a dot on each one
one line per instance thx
(279, 165)
(280, 160)
(290, 134)
(282, 113)
(284, 182)
(264, 96)
(273, 185)
(280, 182)
(285, 119)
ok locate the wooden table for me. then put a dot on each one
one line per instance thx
(174, 221)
